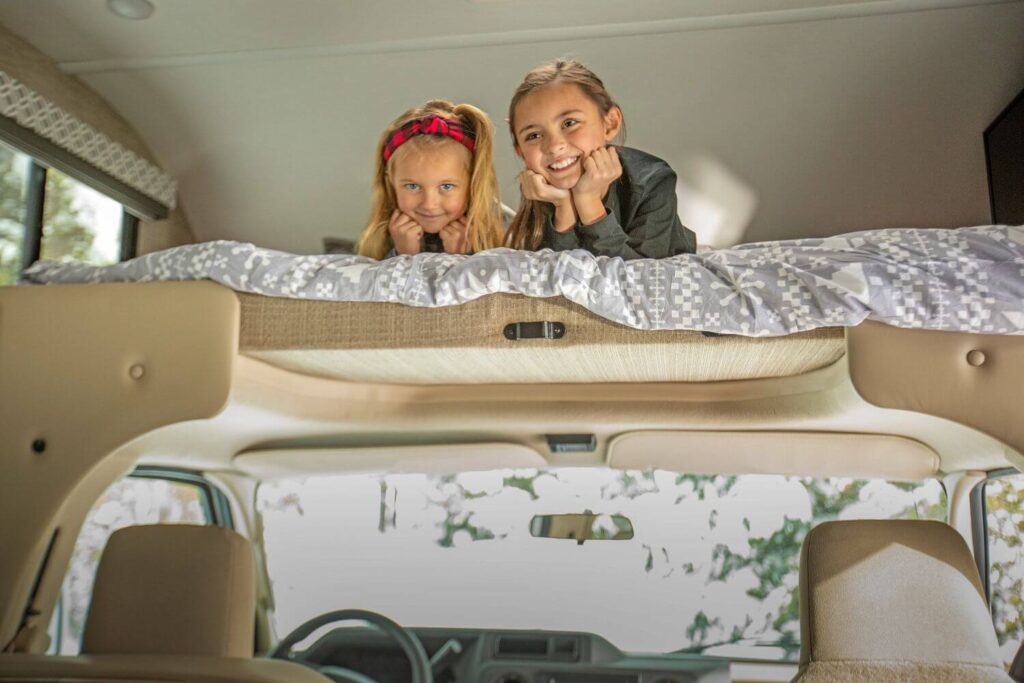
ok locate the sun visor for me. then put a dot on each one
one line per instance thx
(431, 459)
(812, 454)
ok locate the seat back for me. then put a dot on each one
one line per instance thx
(170, 603)
(893, 600)
(173, 589)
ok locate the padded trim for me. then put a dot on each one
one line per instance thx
(85, 369)
(973, 379)
(442, 459)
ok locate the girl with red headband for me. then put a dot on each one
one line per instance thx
(434, 186)
(579, 191)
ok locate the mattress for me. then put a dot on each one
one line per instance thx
(484, 341)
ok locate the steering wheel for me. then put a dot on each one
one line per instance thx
(410, 644)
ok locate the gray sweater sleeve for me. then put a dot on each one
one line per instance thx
(649, 233)
(560, 241)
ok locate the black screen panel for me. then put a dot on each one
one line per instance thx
(1004, 152)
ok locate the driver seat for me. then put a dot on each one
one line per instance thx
(171, 603)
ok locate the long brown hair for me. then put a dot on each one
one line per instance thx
(527, 228)
(483, 214)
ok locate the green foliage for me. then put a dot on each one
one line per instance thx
(721, 483)
(65, 233)
(1005, 524)
(698, 630)
(524, 483)
(455, 523)
(12, 209)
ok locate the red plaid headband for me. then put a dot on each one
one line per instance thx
(430, 125)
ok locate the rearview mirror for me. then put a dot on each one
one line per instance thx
(580, 527)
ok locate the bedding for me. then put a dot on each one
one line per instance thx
(966, 280)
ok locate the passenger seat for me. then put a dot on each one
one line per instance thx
(892, 601)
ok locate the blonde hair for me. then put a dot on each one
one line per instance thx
(527, 228)
(483, 213)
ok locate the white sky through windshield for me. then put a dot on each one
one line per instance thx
(713, 559)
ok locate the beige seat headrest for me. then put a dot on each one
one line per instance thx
(893, 591)
(173, 590)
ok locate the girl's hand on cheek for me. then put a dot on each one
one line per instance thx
(537, 188)
(600, 170)
(406, 233)
(455, 237)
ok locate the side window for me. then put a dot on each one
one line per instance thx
(47, 214)
(79, 223)
(13, 184)
(132, 501)
(1005, 521)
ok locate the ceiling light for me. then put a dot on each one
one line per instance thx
(131, 9)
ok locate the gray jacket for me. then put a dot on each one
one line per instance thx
(642, 220)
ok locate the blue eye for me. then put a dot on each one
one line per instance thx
(447, 187)
(412, 187)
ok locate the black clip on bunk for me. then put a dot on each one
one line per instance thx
(542, 329)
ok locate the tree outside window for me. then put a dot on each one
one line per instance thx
(13, 174)
(78, 223)
(1005, 516)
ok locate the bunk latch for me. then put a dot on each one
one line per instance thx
(542, 329)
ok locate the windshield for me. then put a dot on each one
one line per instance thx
(713, 561)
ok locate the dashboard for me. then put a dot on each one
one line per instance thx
(486, 656)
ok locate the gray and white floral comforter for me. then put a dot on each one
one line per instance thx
(971, 280)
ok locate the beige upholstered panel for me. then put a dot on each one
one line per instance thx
(973, 379)
(395, 344)
(816, 454)
(152, 669)
(893, 600)
(432, 458)
(85, 369)
(173, 589)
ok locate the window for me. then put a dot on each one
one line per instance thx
(138, 499)
(79, 223)
(14, 168)
(47, 214)
(713, 566)
(1004, 516)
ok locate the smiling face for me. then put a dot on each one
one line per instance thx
(556, 127)
(431, 181)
